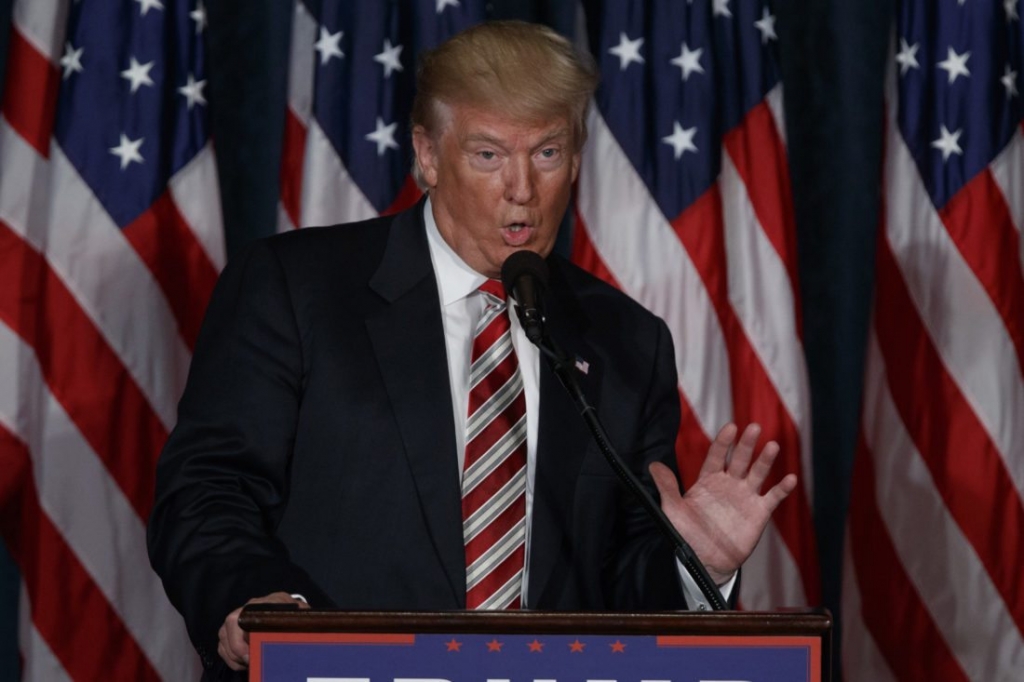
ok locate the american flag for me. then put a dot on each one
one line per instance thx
(347, 145)
(110, 243)
(684, 203)
(932, 584)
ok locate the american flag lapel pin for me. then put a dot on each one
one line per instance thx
(582, 365)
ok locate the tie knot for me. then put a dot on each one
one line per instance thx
(494, 289)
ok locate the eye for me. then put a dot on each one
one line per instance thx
(549, 153)
(486, 155)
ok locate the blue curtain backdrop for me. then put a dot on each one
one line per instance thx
(832, 58)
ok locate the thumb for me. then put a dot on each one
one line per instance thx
(666, 481)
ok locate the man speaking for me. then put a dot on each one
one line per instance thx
(366, 426)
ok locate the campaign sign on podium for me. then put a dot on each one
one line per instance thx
(333, 646)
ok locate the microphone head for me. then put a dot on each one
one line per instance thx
(524, 262)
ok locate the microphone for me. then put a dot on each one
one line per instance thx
(524, 275)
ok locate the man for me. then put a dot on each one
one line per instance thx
(328, 445)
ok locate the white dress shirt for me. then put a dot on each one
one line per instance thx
(461, 307)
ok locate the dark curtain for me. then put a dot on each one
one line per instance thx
(832, 58)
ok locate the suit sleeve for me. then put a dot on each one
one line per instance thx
(222, 479)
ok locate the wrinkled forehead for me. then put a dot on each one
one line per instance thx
(468, 122)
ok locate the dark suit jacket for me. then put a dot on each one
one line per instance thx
(315, 447)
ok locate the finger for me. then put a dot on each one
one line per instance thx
(780, 491)
(666, 482)
(231, 644)
(762, 466)
(719, 450)
(743, 451)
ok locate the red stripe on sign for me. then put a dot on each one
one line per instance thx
(407, 196)
(759, 155)
(293, 155)
(947, 433)
(30, 93)
(82, 371)
(586, 256)
(64, 599)
(979, 222)
(166, 244)
(701, 230)
(891, 608)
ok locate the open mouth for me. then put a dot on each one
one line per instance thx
(516, 234)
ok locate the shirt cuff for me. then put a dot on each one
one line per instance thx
(695, 599)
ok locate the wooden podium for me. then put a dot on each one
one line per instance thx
(531, 646)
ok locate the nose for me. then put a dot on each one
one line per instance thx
(519, 180)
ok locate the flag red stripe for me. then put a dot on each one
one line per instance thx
(30, 93)
(759, 155)
(701, 230)
(892, 609)
(39, 550)
(170, 250)
(919, 382)
(293, 154)
(82, 371)
(407, 196)
(979, 222)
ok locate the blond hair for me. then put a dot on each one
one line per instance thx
(524, 70)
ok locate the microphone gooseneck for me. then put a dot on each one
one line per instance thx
(524, 275)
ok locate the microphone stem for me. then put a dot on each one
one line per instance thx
(564, 370)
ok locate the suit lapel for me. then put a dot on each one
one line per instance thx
(562, 442)
(408, 340)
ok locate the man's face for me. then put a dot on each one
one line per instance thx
(497, 185)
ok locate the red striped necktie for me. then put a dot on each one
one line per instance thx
(494, 476)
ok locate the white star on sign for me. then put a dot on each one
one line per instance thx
(138, 74)
(720, 8)
(384, 136)
(389, 58)
(1009, 81)
(127, 151)
(328, 46)
(198, 15)
(766, 25)
(907, 57)
(441, 4)
(72, 60)
(193, 91)
(628, 51)
(948, 143)
(681, 140)
(689, 61)
(955, 64)
(146, 5)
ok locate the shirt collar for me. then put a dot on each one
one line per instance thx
(455, 279)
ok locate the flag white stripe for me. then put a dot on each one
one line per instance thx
(961, 319)
(862, 661)
(1008, 172)
(195, 192)
(43, 25)
(953, 583)
(73, 485)
(78, 238)
(39, 661)
(761, 294)
(771, 578)
(302, 64)
(638, 245)
(775, 104)
(329, 194)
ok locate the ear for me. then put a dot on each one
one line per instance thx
(425, 148)
(575, 165)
